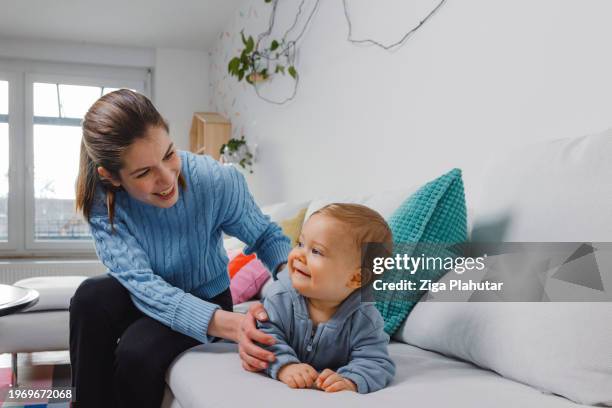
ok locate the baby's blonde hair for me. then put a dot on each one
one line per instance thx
(366, 226)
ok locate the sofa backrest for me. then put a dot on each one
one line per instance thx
(557, 191)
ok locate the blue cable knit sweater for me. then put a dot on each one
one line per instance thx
(170, 259)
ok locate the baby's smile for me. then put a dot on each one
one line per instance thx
(300, 268)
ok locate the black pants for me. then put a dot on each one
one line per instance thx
(119, 356)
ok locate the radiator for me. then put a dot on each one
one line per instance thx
(12, 271)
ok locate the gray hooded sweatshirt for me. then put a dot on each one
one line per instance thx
(352, 343)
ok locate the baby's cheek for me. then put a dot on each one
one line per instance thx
(292, 256)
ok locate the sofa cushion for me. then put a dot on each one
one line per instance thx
(292, 227)
(556, 191)
(211, 376)
(563, 348)
(31, 332)
(435, 214)
(385, 202)
(55, 291)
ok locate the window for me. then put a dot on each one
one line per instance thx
(4, 161)
(40, 149)
(58, 111)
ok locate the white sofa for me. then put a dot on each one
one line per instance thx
(554, 191)
(44, 326)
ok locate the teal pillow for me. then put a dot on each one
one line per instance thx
(435, 214)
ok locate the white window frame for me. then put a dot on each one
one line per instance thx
(22, 75)
(15, 124)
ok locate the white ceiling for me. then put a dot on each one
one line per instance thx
(186, 24)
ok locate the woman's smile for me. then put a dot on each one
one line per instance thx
(168, 193)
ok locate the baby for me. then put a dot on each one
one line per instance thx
(316, 314)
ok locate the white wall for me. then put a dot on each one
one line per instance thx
(180, 89)
(482, 76)
(73, 52)
(180, 77)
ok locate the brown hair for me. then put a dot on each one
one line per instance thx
(366, 226)
(110, 126)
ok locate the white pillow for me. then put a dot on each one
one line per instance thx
(563, 348)
(385, 202)
(282, 211)
(557, 191)
(233, 244)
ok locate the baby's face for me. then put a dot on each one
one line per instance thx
(325, 264)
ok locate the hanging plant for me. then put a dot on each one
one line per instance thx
(236, 151)
(257, 63)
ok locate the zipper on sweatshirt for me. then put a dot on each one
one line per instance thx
(312, 335)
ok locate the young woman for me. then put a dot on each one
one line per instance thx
(157, 215)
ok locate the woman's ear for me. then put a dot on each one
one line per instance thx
(105, 175)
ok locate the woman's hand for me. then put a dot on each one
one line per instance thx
(254, 358)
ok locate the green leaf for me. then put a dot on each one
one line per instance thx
(281, 69)
(292, 71)
(240, 75)
(274, 45)
(268, 1)
(250, 45)
(245, 60)
(244, 40)
(233, 65)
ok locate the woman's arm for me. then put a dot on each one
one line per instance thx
(239, 216)
(127, 262)
(225, 325)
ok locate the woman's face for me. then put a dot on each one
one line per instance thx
(151, 166)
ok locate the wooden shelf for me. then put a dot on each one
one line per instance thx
(209, 131)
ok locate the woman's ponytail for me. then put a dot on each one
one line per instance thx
(86, 184)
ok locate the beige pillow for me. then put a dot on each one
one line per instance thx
(293, 226)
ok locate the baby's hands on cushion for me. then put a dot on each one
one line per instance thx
(330, 381)
(298, 375)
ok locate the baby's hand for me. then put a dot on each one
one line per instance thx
(330, 381)
(298, 375)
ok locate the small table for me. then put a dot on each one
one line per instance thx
(12, 300)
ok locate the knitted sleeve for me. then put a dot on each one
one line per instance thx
(240, 216)
(125, 259)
